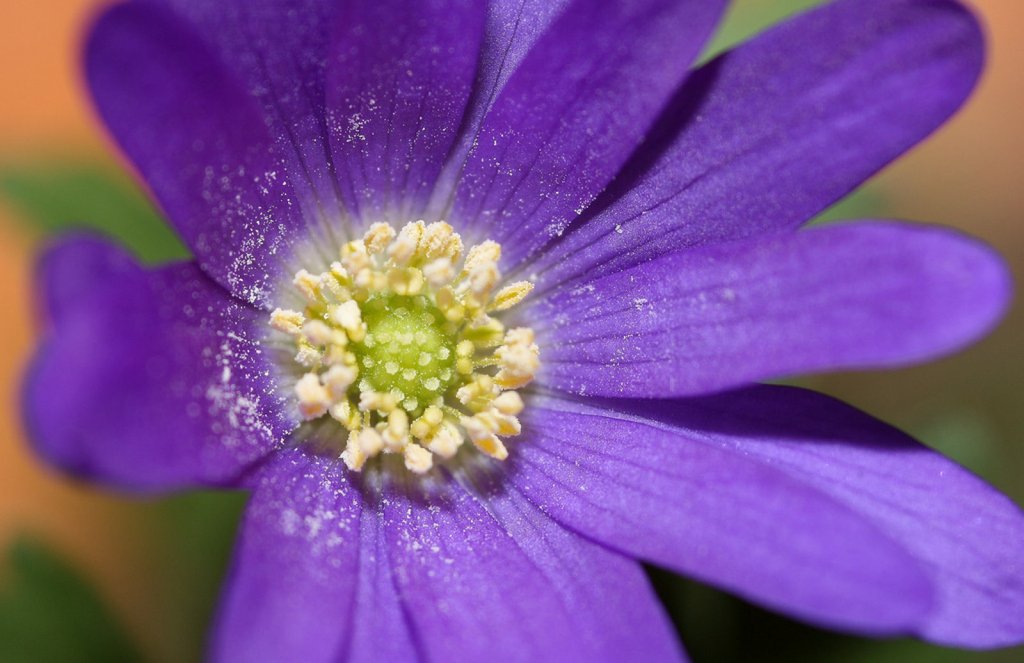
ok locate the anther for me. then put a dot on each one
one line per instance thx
(487, 252)
(370, 441)
(378, 237)
(396, 433)
(313, 397)
(508, 402)
(519, 357)
(484, 438)
(446, 441)
(338, 379)
(290, 322)
(353, 456)
(375, 400)
(349, 317)
(354, 257)
(308, 285)
(404, 246)
(439, 272)
(307, 355)
(418, 459)
(510, 295)
(435, 241)
(317, 332)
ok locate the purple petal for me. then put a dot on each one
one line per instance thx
(381, 631)
(648, 490)
(573, 111)
(148, 379)
(309, 582)
(968, 538)
(492, 578)
(768, 135)
(849, 296)
(199, 141)
(277, 50)
(511, 29)
(398, 78)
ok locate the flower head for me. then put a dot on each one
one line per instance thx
(479, 295)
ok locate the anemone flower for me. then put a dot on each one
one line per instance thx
(480, 298)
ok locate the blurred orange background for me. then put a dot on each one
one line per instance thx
(968, 176)
(45, 111)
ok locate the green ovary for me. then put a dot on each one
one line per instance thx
(407, 351)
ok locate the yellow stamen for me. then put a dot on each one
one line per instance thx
(400, 347)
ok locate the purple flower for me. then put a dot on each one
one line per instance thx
(439, 474)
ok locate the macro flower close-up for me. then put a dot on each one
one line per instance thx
(488, 306)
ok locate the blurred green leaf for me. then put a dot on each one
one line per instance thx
(197, 532)
(60, 195)
(862, 204)
(748, 17)
(964, 435)
(48, 612)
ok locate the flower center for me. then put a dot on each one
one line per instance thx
(400, 344)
